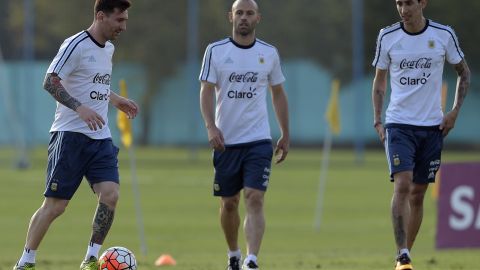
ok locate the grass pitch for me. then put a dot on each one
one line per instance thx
(181, 215)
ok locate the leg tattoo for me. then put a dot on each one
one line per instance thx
(102, 222)
(399, 231)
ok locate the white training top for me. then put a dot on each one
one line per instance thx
(85, 67)
(242, 76)
(415, 62)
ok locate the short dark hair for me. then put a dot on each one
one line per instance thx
(109, 6)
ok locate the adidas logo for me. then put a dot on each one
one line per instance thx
(91, 59)
(229, 61)
(397, 47)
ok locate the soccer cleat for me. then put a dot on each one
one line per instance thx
(403, 262)
(26, 266)
(251, 265)
(233, 263)
(90, 264)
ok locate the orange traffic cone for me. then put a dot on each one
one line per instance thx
(165, 259)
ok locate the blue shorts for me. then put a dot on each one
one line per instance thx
(71, 156)
(242, 165)
(414, 148)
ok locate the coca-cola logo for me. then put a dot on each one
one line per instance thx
(420, 63)
(246, 77)
(102, 79)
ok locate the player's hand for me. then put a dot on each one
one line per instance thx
(281, 150)
(89, 116)
(215, 139)
(380, 131)
(448, 122)
(128, 106)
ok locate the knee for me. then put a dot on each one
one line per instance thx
(110, 198)
(230, 204)
(254, 200)
(416, 199)
(54, 210)
(402, 190)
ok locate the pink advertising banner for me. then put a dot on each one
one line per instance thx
(458, 223)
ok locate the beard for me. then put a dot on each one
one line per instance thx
(245, 30)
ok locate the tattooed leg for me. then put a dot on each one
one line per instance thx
(401, 208)
(102, 222)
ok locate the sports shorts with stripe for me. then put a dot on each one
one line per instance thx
(72, 156)
(242, 165)
(414, 148)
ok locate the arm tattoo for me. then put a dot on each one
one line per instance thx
(463, 82)
(55, 88)
(102, 222)
(378, 97)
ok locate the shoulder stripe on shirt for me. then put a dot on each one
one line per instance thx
(455, 41)
(387, 31)
(70, 48)
(264, 43)
(208, 58)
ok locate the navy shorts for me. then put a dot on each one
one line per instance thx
(71, 156)
(414, 148)
(242, 165)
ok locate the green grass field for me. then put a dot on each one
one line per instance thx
(181, 215)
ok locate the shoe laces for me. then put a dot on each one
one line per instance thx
(403, 259)
(252, 264)
(233, 263)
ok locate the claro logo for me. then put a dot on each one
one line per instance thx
(100, 96)
(245, 94)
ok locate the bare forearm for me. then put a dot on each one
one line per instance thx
(207, 107)
(463, 82)
(280, 104)
(378, 96)
(53, 86)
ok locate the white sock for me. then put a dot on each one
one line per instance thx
(93, 250)
(404, 251)
(236, 253)
(28, 256)
(250, 257)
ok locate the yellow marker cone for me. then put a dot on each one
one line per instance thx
(165, 259)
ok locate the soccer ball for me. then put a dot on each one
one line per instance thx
(117, 258)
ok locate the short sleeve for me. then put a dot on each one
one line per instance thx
(381, 60)
(68, 57)
(453, 52)
(207, 72)
(276, 76)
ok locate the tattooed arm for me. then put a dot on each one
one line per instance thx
(53, 85)
(463, 82)
(378, 95)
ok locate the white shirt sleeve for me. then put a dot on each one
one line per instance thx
(208, 72)
(381, 60)
(276, 76)
(66, 60)
(453, 52)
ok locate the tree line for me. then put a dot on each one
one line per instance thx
(156, 36)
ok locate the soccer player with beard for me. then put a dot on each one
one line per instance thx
(238, 72)
(80, 145)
